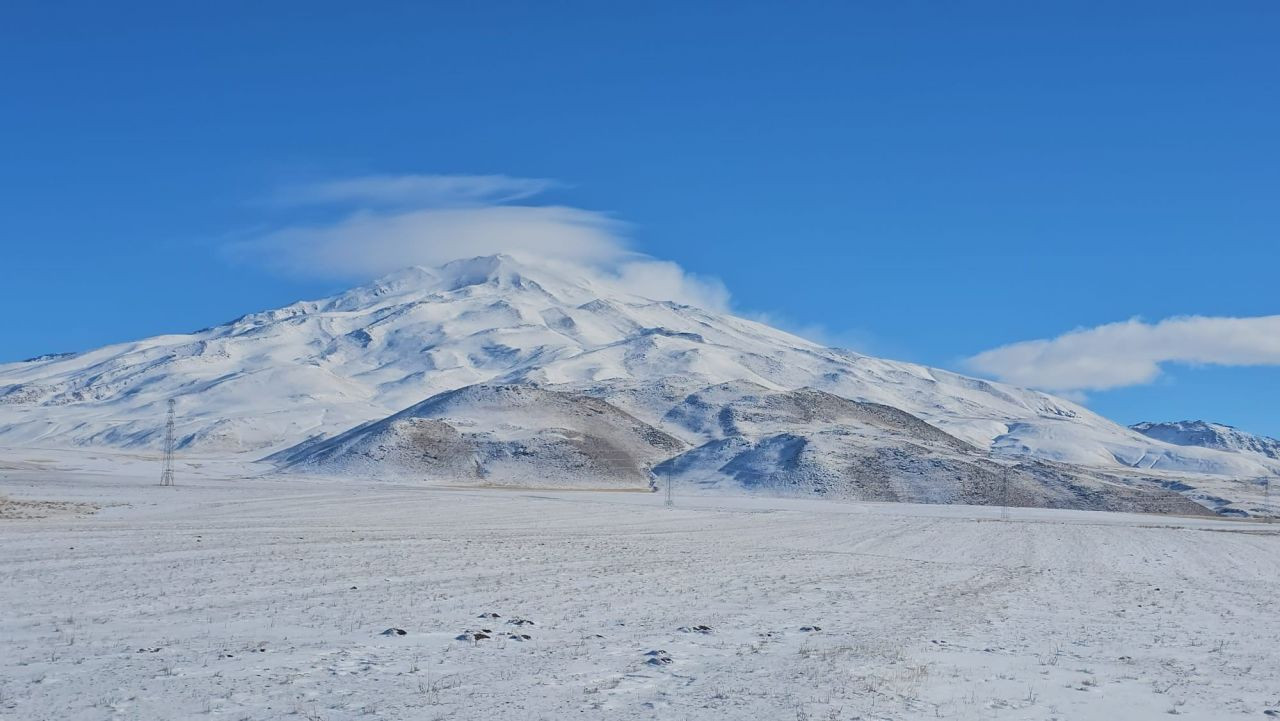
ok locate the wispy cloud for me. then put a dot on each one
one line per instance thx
(390, 222)
(417, 191)
(1132, 352)
(851, 338)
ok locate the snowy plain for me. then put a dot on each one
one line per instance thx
(243, 596)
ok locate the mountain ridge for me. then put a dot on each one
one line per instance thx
(1207, 434)
(799, 443)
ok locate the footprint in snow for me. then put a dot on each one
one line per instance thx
(658, 658)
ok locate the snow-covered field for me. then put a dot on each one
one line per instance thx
(231, 597)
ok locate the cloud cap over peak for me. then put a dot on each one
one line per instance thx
(388, 222)
(1132, 352)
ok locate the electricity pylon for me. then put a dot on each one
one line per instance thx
(1004, 495)
(1266, 500)
(166, 475)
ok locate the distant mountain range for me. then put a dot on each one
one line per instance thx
(1210, 435)
(494, 370)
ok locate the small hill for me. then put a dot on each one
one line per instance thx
(497, 435)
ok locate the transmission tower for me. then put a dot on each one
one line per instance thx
(1004, 495)
(1266, 500)
(166, 475)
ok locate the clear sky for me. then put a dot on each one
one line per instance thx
(921, 180)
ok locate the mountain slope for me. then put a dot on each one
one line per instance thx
(802, 442)
(1210, 435)
(497, 435)
(270, 380)
(809, 442)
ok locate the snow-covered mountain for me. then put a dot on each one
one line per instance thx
(316, 369)
(1210, 435)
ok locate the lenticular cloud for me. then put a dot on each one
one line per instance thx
(386, 223)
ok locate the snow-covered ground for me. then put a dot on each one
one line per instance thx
(232, 596)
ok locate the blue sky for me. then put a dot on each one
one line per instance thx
(925, 181)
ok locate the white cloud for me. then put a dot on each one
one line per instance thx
(415, 190)
(851, 339)
(392, 222)
(665, 280)
(1132, 352)
(370, 243)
